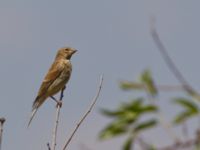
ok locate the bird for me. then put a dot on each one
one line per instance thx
(56, 78)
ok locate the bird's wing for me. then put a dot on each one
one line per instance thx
(53, 73)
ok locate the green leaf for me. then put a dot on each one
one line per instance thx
(130, 110)
(129, 143)
(126, 111)
(134, 104)
(114, 129)
(123, 108)
(125, 85)
(187, 104)
(129, 117)
(182, 117)
(190, 110)
(145, 125)
(148, 109)
(138, 106)
(112, 113)
(125, 116)
(147, 79)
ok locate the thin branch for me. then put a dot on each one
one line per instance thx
(187, 87)
(143, 144)
(184, 145)
(85, 115)
(160, 87)
(58, 107)
(2, 120)
(170, 62)
(48, 146)
(53, 146)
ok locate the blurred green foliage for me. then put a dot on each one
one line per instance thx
(140, 114)
(125, 116)
(147, 79)
(190, 109)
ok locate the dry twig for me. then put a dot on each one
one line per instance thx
(85, 115)
(188, 88)
(2, 120)
(58, 107)
(48, 146)
(160, 87)
(185, 85)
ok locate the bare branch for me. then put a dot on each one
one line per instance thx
(48, 146)
(186, 144)
(85, 115)
(189, 89)
(186, 86)
(58, 107)
(183, 145)
(2, 120)
(161, 87)
(143, 144)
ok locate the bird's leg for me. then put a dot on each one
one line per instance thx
(61, 93)
(53, 98)
(61, 97)
(59, 102)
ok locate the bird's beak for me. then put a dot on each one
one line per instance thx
(74, 51)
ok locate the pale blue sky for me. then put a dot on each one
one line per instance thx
(113, 39)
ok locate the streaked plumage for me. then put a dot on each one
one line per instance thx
(56, 78)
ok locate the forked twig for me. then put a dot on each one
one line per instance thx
(2, 120)
(85, 115)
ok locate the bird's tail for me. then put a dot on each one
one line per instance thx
(32, 115)
(36, 104)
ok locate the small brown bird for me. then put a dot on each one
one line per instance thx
(56, 78)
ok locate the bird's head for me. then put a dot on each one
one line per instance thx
(65, 52)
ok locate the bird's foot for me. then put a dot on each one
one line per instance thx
(59, 104)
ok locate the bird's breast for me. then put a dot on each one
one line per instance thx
(61, 80)
(65, 74)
